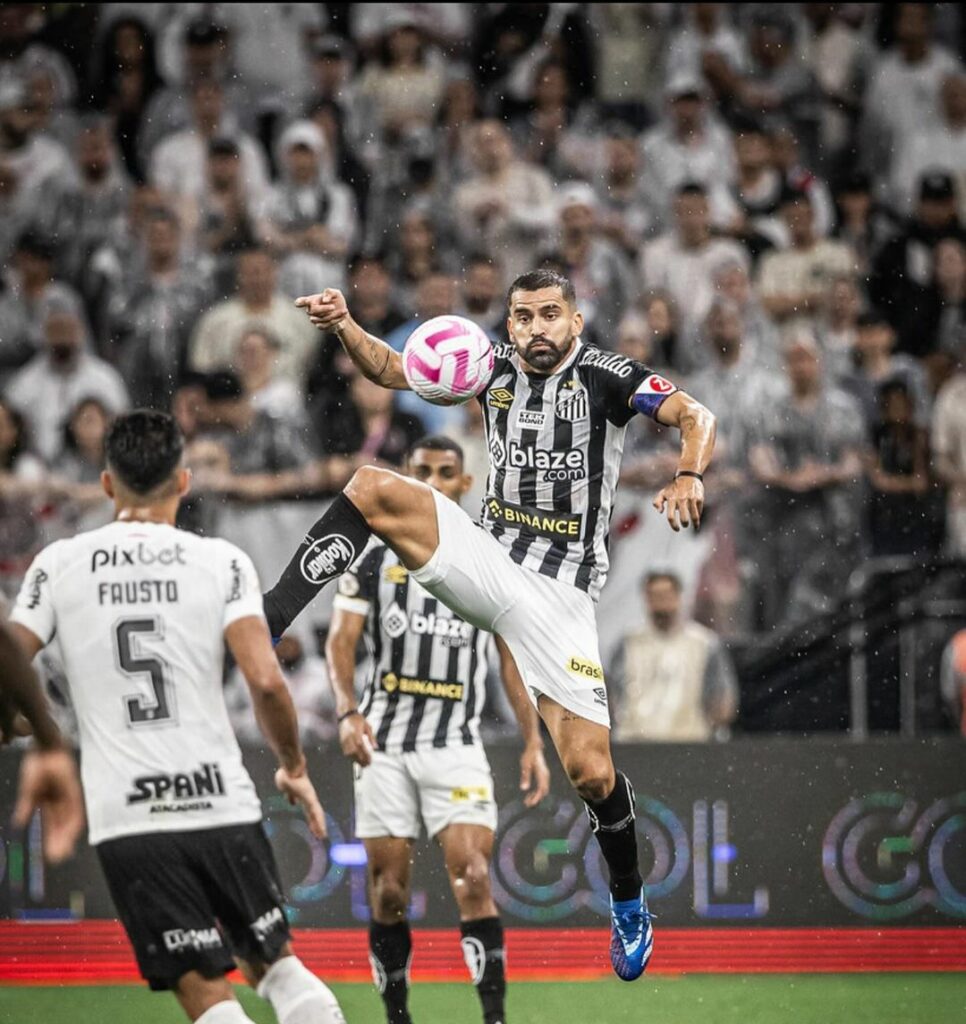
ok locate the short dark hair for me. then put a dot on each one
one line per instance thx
(534, 280)
(435, 443)
(224, 385)
(872, 318)
(662, 574)
(143, 448)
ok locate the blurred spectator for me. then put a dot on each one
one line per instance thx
(506, 209)
(77, 470)
(413, 257)
(225, 213)
(31, 293)
(257, 302)
(935, 147)
(53, 382)
(21, 53)
(331, 81)
(675, 681)
(944, 312)
(903, 93)
(875, 365)
(949, 454)
(707, 47)
(271, 47)
(860, 221)
(836, 53)
(758, 191)
(310, 221)
(731, 381)
(777, 78)
(81, 207)
(837, 326)
(952, 679)
(799, 177)
(600, 273)
(22, 489)
(265, 458)
(683, 261)
(732, 281)
(484, 295)
(191, 52)
(806, 455)
(308, 683)
(30, 156)
(151, 309)
(905, 268)
(629, 41)
(627, 213)
(179, 162)
(553, 133)
(689, 146)
(124, 80)
(366, 425)
(257, 356)
(793, 282)
(898, 474)
(663, 344)
(405, 84)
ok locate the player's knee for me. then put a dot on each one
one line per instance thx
(375, 492)
(390, 900)
(592, 777)
(470, 877)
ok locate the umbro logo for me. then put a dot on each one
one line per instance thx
(500, 398)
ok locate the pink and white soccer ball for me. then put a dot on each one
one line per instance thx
(448, 360)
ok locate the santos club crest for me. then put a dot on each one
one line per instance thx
(571, 405)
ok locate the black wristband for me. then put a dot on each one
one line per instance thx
(689, 472)
(347, 714)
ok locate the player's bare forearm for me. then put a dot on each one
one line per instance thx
(20, 690)
(251, 647)
(377, 361)
(682, 500)
(698, 430)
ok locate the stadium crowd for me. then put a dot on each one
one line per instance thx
(767, 202)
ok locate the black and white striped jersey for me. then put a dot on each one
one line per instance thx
(427, 685)
(555, 446)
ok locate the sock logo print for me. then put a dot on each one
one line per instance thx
(327, 558)
(474, 953)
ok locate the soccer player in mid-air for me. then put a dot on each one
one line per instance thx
(142, 612)
(416, 744)
(555, 413)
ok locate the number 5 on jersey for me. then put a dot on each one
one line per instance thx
(132, 661)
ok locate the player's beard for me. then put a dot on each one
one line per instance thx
(549, 357)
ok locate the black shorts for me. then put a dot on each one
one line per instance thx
(191, 901)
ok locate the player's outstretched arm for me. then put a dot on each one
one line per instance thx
(377, 361)
(534, 774)
(355, 733)
(48, 774)
(251, 647)
(683, 499)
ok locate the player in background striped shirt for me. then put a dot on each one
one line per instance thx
(556, 413)
(415, 743)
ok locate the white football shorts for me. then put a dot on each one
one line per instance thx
(549, 626)
(398, 793)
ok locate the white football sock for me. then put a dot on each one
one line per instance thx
(229, 1011)
(297, 995)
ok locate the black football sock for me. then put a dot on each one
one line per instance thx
(485, 957)
(612, 822)
(332, 544)
(390, 947)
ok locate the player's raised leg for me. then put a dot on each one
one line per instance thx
(375, 501)
(296, 994)
(584, 750)
(467, 850)
(389, 861)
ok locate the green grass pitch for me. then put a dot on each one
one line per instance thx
(716, 999)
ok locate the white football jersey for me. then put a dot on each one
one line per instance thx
(140, 611)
